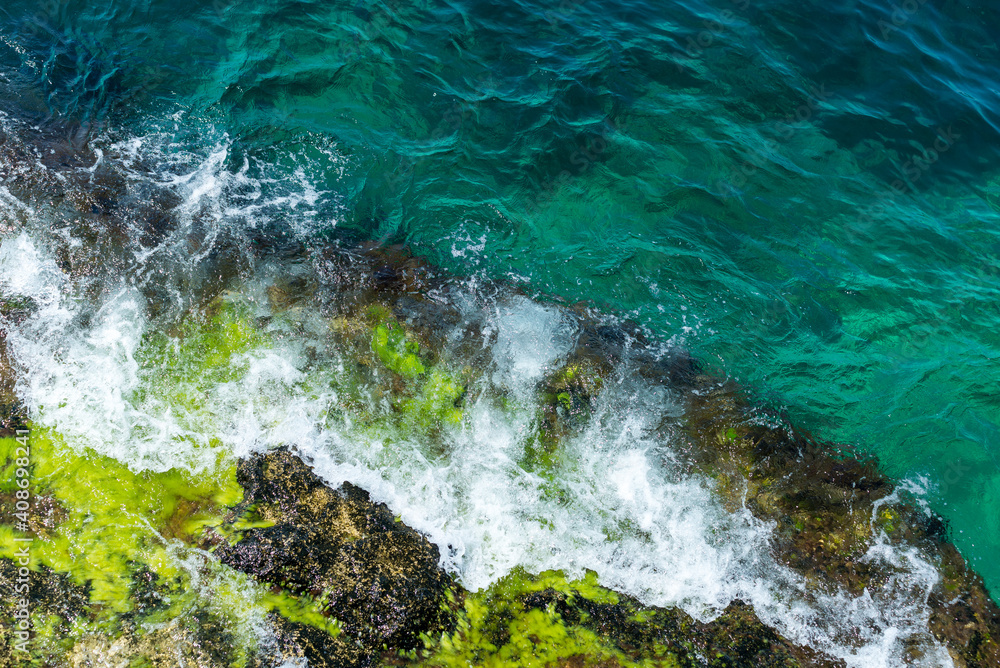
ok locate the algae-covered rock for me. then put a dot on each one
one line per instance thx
(376, 577)
(830, 507)
(197, 639)
(55, 604)
(547, 620)
(110, 573)
(338, 581)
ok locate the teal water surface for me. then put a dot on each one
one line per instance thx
(805, 194)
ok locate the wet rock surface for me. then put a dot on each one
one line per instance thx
(735, 638)
(49, 593)
(12, 311)
(546, 620)
(199, 640)
(378, 578)
(830, 507)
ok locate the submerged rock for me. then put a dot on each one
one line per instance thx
(12, 311)
(835, 514)
(199, 639)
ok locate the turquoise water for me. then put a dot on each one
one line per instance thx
(807, 196)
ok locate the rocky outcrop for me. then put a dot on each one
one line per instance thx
(393, 605)
(544, 620)
(352, 586)
(829, 505)
(375, 576)
(12, 311)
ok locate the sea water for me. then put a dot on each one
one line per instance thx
(805, 197)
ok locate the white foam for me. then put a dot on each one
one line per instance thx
(615, 502)
(530, 338)
(26, 270)
(80, 378)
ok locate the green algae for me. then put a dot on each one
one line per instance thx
(302, 609)
(391, 344)
(542, 456)
(210, 342)
(571, 390)
(112, 516)
(397, 352)
(549, 620)
(430, 395)
(586, 587)
(124, 538)
(563, 405)
(888, 519)
(436, 402)
(121, 537)
(424, 393)
(500, 626)
(207, 349)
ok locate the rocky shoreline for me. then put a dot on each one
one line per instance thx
(119, 577)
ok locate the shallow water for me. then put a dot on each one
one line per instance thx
(725, 174)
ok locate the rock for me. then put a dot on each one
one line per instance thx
(197, 640)
(50, 594)
(377, 577)
(829, 505)
(13, 310)
(535, 620)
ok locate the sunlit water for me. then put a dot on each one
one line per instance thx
(734, 194)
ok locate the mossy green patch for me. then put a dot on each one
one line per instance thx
(541, 457)
(125, 539)
(501, 627)
(396, 352)
(301, 609)
(209, 348)
(436, 402)
(429, 396)
(578, 378)
(112, 516)
(887, 519)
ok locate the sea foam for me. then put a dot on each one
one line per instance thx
(616, 502)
